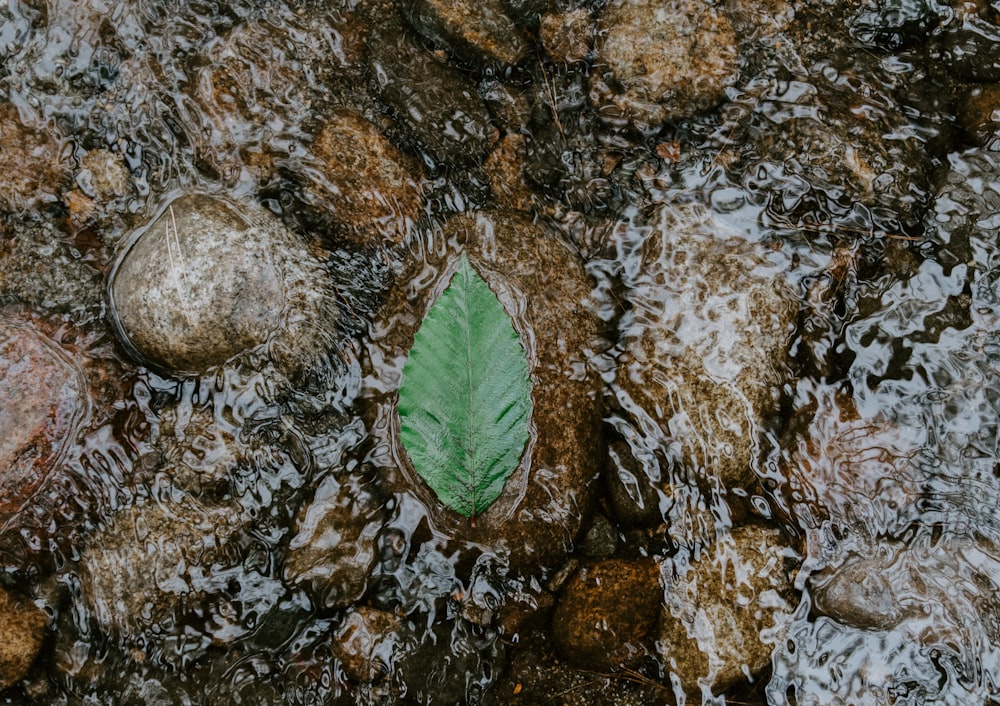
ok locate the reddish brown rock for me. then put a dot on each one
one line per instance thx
(57, 387)
(567, 36)
(22, 627)
(607, 614)
(364, 184)
(44, 399)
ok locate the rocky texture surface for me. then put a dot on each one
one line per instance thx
(657, 61)
(978, 113)
(567, 36)
(369, 642)
(333, 548)
(536, 673)
(210, 279)
(154, 568)
(542, 284)
(590, 626)
(476, 31)
(44, 401)
(436, 105)
(35, 166)
(42, 267)
(705, 354)
(843, 469)
(57, 387)
(361, 183)
(724, 614)
(22, 628)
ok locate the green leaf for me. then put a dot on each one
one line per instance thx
(465, 396)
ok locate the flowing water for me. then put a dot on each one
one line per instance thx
(847, 174)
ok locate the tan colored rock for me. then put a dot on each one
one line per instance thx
(567, 36)
(35, 170)
(210, 279)
(22, 628)
(661, 61)
(333, 549)
(706, 349)
(481, 31)
(606, 616)
(369, 642)
(541, 283)
(364, 184)
(723, 615)
(505, 169)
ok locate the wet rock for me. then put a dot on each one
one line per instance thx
(369, 643)
(567, 36)
(509, 105)
(44, 398)
(972, 42)
(35, 170)
(333, 549)
(154, 569)
(210, 279)
(361, 182)
(103, 176)
(505, 169)
(480, 31)
(57, 385)
(40, 266)
(590, 627)
(847, 168)
(22, 628)
(706, 347)
(473, 661)
(538, 515)
(846, 469)
(633, 496)
(434, 103)
(601, 539)
(724, 614)
(979, 113)
(860, 593)
(658, 62)
(888, 614)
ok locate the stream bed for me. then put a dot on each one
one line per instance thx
(750, 251)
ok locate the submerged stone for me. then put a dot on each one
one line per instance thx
(35, 170)
(724, 614)
(542, 285)
(333, 551)
(22, 628)
(477, 31)
(362, 183)
(61, 448)
(705, 353)
(435, 104)
(658, 62)
(606, 616)
(153, 568)
(43, 401)
(210, 279)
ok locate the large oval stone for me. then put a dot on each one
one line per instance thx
(210, 279)
(43, 396)
(542, 285)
